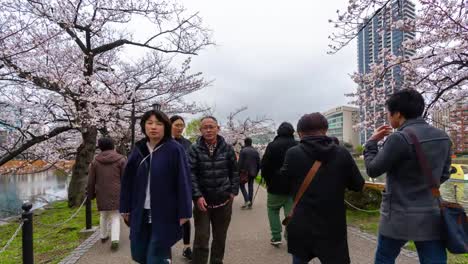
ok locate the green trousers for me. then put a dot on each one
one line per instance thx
(274, 204)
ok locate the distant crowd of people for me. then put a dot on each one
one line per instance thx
(166, 180)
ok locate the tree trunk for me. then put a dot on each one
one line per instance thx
(79, 180)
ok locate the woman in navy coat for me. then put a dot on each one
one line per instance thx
(156, 191)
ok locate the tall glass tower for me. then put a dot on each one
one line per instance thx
(376, 38)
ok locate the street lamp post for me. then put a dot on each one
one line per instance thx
(157, 106)
(133, 120)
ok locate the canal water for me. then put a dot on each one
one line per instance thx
(39, 188)
(454, 191)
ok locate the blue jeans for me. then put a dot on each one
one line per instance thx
(297, 260)
(248, 196)
(429, 252)
(144, 250)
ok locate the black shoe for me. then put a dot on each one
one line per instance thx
(187, 253)
(104, 240)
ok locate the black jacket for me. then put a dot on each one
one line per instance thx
(273, 160)
(184, 142)
(249, 161)
(320, 214)
(215, 178)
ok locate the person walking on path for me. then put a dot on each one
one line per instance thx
(249, 165)
(215, 184)
(409, 211)
(104, 176)
(156, 191)
(318, 226)
(178, 126)
(278, 186)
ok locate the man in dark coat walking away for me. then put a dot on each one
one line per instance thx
(105, 172)
(215, 184)
(278, 186)
(249, 165)
(318, 226)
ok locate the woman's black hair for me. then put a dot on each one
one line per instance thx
(161, 117)
(105, 143)
(175, 118)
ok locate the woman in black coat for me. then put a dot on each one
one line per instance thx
(178, 126)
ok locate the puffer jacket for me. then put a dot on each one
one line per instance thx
(213, 177)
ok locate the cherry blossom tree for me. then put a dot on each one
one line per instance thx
(236, 129)
(439, 66)
(73, 52)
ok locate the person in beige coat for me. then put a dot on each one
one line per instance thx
(105, 172)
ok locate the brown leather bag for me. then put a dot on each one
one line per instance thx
(305, 184)
(243, 177)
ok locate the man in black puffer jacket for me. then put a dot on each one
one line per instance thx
(279, 187)
(215, 184)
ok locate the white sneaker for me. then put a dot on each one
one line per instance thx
(246, 205)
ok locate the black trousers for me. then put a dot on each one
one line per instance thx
(186, 229)
(219, 220)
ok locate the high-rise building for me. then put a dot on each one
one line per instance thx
(376, 38)
(459, 131)
(454, 121)
(341, 124)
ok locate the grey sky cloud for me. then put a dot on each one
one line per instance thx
(271, 57)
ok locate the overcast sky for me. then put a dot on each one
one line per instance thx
(271, 57)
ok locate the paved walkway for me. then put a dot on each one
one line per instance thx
(248, 242)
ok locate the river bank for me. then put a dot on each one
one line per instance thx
(52, 240)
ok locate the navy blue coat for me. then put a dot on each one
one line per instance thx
(170, 188)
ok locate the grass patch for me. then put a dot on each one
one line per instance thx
(51, 244)
(369, 223)
(366, 222)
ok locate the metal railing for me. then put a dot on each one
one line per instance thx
(26, 226)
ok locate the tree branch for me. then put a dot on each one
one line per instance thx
(32, 142)
(121, 42)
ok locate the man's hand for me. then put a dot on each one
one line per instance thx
(201, 203)
(381, 132)
(126, 217)
(232, 197)
(182, 221)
